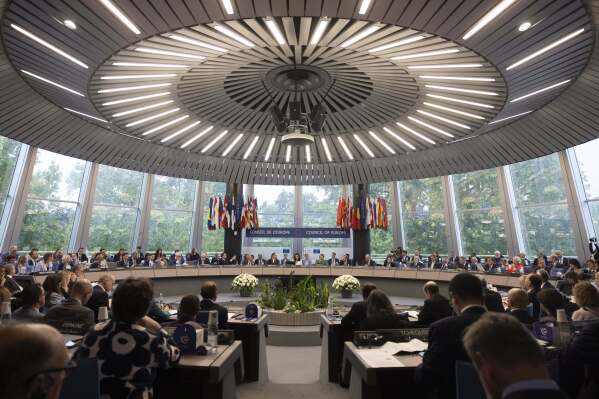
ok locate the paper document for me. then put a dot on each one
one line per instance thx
(413, 313)
(231, 315)
(414, 346)
(377, 358)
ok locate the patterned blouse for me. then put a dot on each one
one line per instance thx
(128, 358)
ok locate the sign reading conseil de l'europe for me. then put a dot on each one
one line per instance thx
(298, 232)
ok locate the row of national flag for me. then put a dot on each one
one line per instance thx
(232, 213)
(370, 213)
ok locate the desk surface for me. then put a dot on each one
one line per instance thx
(357, 271)
(208, 360)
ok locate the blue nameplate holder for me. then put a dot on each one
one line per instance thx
(190, 339)
(252, 311)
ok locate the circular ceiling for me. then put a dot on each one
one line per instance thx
(184, 88)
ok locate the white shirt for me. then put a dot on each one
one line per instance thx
(529, 385)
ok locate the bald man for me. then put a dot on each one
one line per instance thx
(72, 317)
(34, 362)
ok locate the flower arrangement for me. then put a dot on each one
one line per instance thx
(245, 283)
(346, 282)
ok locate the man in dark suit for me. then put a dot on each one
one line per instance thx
(436, 306)
(579, 363)
(493, 301)
(72, 317)
(208, 303)
(437, 371)
(99, 296)
(533, 285)
(508, 359)
(333, 261)
(544, 278)
(357, 313)
(517, 302)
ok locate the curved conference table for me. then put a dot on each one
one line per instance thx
(375, 272)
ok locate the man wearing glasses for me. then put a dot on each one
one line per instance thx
(39, 363)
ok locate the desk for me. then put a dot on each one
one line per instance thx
(252, 334)
(203, 377)
(384, 382)
(331, 350)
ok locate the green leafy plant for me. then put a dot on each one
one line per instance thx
(305, 296)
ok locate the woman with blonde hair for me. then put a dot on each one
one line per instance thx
(65, 279)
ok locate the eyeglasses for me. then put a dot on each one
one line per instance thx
(70, 366)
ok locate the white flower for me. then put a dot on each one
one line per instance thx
(346, 282)
(245, 280)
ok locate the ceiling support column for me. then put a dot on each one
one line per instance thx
(361, 238)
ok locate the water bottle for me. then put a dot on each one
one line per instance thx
(212, 336)
(329, 310)
(161, 300)
(5, 314)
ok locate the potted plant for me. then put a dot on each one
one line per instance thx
(245, 283)
(347, 284)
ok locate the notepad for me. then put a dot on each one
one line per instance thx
(378, 358)
(413, 346)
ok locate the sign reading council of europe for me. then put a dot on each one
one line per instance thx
(298, 232)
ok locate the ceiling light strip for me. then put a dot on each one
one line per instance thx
(509, 117)
(151, 118)
(269, 149)
(86, 115)
(364, 7)
(140, 109)
(364, 146)
(233, 35)
(441, 66)
(169, 53)
(164, 125)
(179, 132)
(121, 16)
(426, 54)
(33, 75)
(233, 144)
(544, 89)
(288, 154)
(446, 120)
(214, 141)
(487, 18)
(397, 43)
(415, 133)
(545, 49)
(458, 90)
(453, 110)
(197, 136)
(464, 78)
(153, 76)
(228, 7)
(361, 35)
(457, 100)
(185, 39)
(345, 148)
(251, 147)
(399, 138)
(381, 142)
(308, 154)
(134, 88)
(149, 65)
(326, 149)
(132, 99)
(275, 31)
(319, 31)
(433, 128)
(49, 46)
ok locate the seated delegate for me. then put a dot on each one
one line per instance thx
(127, 366)
(208, 303)
(72, 316)
(436, 306)
(380, 313)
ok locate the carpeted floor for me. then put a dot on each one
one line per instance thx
(293, 373)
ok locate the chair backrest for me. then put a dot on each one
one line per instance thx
(82, 382)
(468, 385)
(202, 317)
